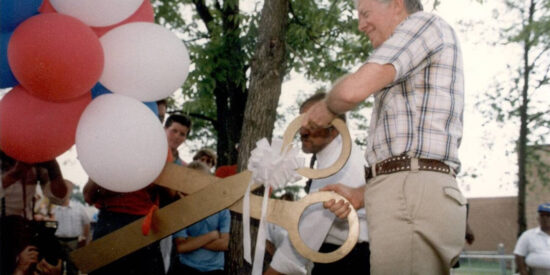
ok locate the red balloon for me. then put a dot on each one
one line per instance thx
(144, 13)
(46, 7)
(34, 130)
(55, 57)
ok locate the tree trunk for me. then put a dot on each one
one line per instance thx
(267, 71)
(230, 92)
(523, 130)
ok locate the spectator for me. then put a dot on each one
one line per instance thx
(73, 228)
(177, 129)
(161, 106)
(117, 210)
(318, 226)
(533, 247)
(206, 156)
(18, 231)
(201, 246)
(225, 171)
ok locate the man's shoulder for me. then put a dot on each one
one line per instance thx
(425, 20)
(530, 232)
(425, 16)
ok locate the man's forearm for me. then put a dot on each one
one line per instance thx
(220, 244)
(193, 243)
(354, 88)
(11, 177)
(55, 177)
(522, 266)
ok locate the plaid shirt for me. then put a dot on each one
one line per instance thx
(420, 113)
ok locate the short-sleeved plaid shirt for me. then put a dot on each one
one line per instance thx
(420, 114)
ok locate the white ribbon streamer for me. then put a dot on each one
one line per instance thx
(272, 168)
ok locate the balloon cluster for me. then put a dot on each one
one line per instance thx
(80, 72)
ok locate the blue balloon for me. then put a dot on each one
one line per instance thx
(13, 12)
(153, 106)
(99, 89)
(6, 76)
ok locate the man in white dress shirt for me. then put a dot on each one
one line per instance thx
(533, 247)
(318, 226)
(73, 228)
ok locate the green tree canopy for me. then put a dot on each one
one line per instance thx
(322, 43)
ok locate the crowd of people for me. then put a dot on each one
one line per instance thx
(413, 217)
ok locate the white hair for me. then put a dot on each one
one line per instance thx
(411, 6)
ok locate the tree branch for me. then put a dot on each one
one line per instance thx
(204, 13)
(538, 115)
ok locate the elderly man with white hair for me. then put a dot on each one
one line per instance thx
(415, 211)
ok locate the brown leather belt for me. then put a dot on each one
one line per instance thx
(403, 163)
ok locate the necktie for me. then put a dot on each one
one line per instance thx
(311, 164)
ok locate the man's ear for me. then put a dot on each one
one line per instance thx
(399, 4)
(333, 133)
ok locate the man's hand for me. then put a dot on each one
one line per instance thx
(469, 235)
(342, 209)
(25, 259)
(20, 170)
(318, 116)
(44, 267)
(49, 171)
(353, 195)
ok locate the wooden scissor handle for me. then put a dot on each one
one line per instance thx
(340, 125)
(287, 214)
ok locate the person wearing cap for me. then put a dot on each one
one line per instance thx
(533, 247)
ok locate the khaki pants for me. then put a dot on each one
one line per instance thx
(417, 222)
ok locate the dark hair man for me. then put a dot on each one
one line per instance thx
(177, 129)
(319, 228)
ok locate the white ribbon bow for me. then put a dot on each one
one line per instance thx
(273, 168)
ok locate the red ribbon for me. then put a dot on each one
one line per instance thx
(148, 221)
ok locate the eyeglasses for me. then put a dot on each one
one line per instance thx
(317, 133)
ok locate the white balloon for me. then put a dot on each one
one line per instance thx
(143, 60)
(98, 13)
(120, 143)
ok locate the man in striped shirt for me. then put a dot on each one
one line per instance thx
(416, 213)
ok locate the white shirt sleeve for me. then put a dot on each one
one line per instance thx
(314, 226)
(316, 222)
(522, 245)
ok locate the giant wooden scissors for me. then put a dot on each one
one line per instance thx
(208, 195)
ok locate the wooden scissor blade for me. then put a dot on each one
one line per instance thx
(213, 198)
(184, 179)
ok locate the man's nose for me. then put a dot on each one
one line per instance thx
(362, 24)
